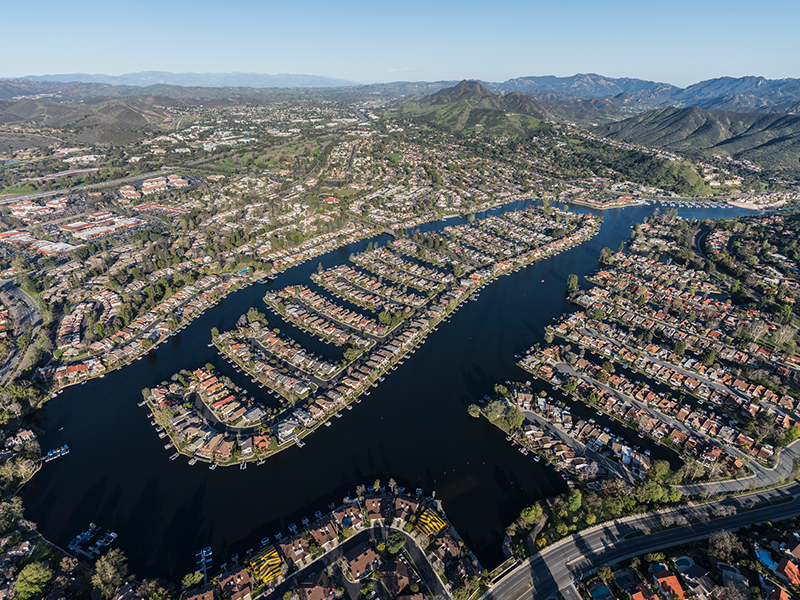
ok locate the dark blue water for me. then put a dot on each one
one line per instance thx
(414, 427)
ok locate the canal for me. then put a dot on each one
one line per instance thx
(413, 427)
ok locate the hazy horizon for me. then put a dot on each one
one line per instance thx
(679, 43)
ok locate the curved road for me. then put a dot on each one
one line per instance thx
(556, 569)
(332, 556)
(23, 309)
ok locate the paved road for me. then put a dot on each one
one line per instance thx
(555, 569)
(23, 310)
(88, 186)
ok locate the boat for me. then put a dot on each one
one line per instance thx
(327, 423)
(213, 466)
(53, 454)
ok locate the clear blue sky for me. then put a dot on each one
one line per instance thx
(678, 42)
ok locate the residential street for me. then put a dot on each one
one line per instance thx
(332, 557)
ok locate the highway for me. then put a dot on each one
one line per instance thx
(556, 569)
(22, 309)
(88, 186)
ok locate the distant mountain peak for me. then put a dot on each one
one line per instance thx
(463, 90)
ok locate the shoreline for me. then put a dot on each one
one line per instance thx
(468, 293)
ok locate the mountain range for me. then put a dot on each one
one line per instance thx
(722, 93)
(748, 117)
(148, 78)
(767, 139)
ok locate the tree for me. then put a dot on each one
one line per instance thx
(191, 579)
(570, 386)
(680, 347)
(574, 501)
(474, 410)
(11, 513)
(605, 255)
(709, 356)
(515, 418)
(726, 545)
(68, 564)
(572, 282)
(33, 580)
(604, 573)
(531, 515)
(111, 571)
(395, 542)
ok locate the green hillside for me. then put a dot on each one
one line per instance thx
(469, 107)
(769, 140)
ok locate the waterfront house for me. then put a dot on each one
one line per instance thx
(349, 516)
(224, 451)
(295, 549)
(405, 508)
(286, 430)
(445, 547)
(377, 509)
(204, 593)
(236, 585)
(361, 561)
(323, 532)
(246, 447)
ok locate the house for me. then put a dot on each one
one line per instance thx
(405, 508)
(377, 509)
(395, 577)
(236, 585)
(349, 516)
(296, 549)
(361, 561)
(788, 571)
(323, 532)
(204, 593)
(317, 587)
(21, 549)
(669, 584)
(699, 581)
(445, 547)
(642, 592)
